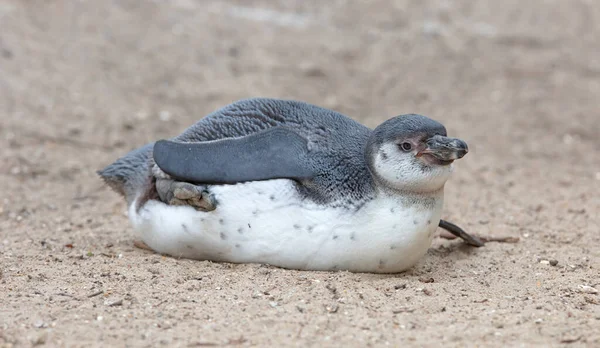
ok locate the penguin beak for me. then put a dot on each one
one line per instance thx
(444, 149)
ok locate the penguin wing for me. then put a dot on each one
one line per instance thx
(274, 153)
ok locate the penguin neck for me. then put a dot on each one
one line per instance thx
(415, 201)
(384, 190)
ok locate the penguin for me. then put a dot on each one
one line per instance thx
(293, 185)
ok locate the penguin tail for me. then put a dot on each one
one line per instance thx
(130, 175)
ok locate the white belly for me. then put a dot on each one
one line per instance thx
(267, 222)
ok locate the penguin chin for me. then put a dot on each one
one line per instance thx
(405, 172)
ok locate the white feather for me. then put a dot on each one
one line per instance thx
(402, 171)
(269, 222)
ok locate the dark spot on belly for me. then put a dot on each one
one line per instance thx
(221, 221)
(335, 237)
(310, 229)
(415, 222)
(392, 247)
(201, 219)
(185, 228)
(189, 246)
(395, 227)
(296, 226)
(381, 263)
(249, 226)
(237, 245)
(429, 222)
(384, 155)
(260, 193)
(272, 197)
(352, 237)
(240, 230)
(392, 210)
(223, 236)
(335, 267)
(255, 212)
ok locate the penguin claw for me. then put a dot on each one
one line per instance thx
(186, 191)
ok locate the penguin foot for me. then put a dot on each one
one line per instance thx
(182, 193)
(459, 232)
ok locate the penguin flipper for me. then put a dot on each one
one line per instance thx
(274, 153)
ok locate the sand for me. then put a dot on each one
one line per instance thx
(83, 82)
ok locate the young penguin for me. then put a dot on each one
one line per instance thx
(292, 185)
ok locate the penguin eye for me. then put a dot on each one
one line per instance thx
(406, 146)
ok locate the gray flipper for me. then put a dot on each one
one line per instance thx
(270, 154)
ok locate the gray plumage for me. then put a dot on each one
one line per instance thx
(337, 149)
(130, 174)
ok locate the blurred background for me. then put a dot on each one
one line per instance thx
(502, 69)
(83, 82)
(92, 80)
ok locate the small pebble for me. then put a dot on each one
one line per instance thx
(553, 262)
(570, 339)
(332, 308)
(114, 303)
(403, 310)
(586, 289)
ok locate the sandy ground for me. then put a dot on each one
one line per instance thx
(83, 82)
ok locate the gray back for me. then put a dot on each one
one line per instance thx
(336, 143)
